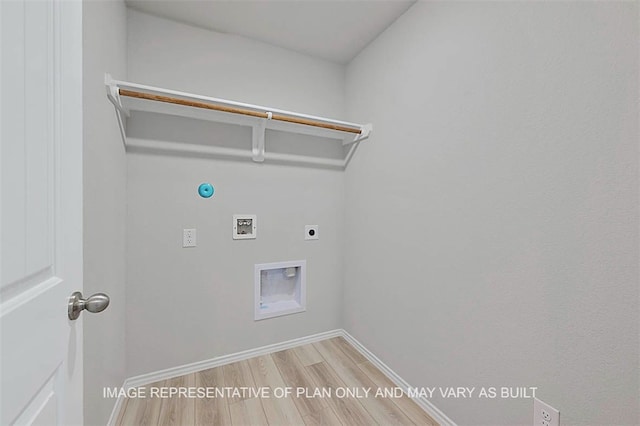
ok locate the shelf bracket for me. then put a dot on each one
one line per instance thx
(258, 132)
(113, 95)
(364, 134)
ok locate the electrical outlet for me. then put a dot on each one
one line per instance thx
(544, 414)
(188, 238)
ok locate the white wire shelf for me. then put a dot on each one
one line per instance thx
(127, 97)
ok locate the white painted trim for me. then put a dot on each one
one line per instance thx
(145, 379)
(116, 410)
(424, 403)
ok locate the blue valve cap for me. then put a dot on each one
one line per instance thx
(206, 190)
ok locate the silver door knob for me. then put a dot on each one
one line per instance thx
(94, 303)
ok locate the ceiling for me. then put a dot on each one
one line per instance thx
(336, 30)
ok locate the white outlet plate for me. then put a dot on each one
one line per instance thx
(311, 232)
(544, 414)
(188, 238)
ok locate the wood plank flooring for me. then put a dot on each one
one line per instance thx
(331, 366)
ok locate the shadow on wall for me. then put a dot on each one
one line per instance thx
(191, 133)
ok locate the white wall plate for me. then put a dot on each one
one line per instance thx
(245, 226)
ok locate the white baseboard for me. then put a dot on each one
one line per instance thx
(145, 379)
(116, 410)
(423, 402)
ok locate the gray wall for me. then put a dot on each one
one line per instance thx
(169, 54)
(506, 135)
(104, 50)
(492, 219)
(186, 305)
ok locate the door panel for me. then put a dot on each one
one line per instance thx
(27, 127)
(40, 211)
(45, 354)
(13, 155)
(38, 134)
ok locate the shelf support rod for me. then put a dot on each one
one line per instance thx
(277, 116)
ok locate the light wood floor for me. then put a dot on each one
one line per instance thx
(330, 364)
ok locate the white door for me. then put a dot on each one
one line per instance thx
(40, 211)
